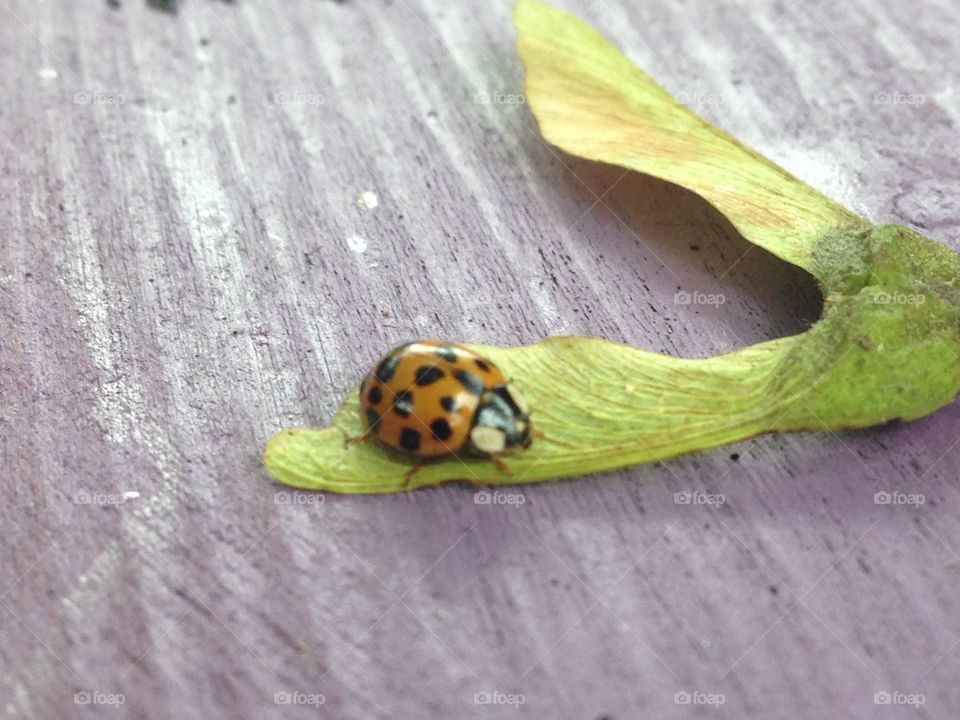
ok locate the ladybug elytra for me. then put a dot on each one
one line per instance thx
(432, 399)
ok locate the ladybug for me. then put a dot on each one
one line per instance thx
(432, 399)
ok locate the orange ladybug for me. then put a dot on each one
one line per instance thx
(432, 399)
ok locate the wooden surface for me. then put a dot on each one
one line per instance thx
(184, 270)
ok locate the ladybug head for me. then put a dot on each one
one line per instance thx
(502, 421)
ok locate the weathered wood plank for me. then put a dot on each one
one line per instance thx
(184, 269)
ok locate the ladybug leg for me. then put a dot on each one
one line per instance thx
(409, 476)
(501, 464)
(359, 438)
(540, 435)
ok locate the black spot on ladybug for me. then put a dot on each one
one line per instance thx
(375, 395)
(403, 406)
(447, 354)
(448, 403)
(386, 369)
(428, 374)
(471, 382)
(373, 420)
(440, 429)
(482, 364)
(410, 439)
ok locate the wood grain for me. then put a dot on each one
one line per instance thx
(185, 269)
